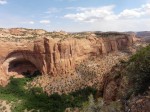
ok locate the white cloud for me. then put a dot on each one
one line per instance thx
(105, 19)
(107, 13)
(144, 10)
(130, 14)
(31, 22)
(45, 21)
(2, 2)
(92, 14)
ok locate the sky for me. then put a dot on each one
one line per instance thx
(76, 15)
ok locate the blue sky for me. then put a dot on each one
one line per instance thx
(76, 15)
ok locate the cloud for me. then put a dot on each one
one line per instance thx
(106, 19)
(31, 22)
(130, 14)
(107, 13)
(144, 10)
(92, 14)
(45, 21)
(2, 2)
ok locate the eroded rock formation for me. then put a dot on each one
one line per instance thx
(57, 56)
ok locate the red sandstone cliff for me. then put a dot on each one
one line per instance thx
(58, 56)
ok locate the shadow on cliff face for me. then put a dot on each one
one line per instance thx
(29, 75)
(23, 67)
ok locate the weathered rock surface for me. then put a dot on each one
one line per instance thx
(58, 56)
(89, 73)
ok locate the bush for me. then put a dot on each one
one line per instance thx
(139, 71)
(100, 106)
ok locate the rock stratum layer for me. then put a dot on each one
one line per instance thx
(56, 56)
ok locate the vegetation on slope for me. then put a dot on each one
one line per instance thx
(34, 98)
(131, 78)
(138, 69)
(111, 34)
(100, 106)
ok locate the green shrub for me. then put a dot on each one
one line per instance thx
(139, 71)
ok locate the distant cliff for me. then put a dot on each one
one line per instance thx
(144, 35)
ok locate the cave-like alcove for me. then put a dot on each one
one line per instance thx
(22, 67)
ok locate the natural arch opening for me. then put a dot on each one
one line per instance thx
(22, 68)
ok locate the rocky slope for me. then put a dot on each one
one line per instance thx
(129, 82)
(88, 73)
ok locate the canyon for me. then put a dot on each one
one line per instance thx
(54, 56)
(62, 63)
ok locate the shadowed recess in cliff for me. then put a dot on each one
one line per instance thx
(23, 67)
(24, 63)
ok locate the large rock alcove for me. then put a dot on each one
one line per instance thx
(21, 65)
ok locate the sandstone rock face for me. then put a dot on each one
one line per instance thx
(57, 56)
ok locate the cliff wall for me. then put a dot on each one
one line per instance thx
(58, 56)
